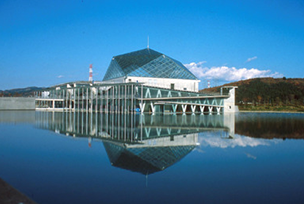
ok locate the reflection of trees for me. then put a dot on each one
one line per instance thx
(270, 126)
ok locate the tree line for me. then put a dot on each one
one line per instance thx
(281, 92)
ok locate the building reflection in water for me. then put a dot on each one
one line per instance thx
(136, 142)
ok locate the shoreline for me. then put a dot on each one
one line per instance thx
(10, 195)
(240, 111)
(253, 111)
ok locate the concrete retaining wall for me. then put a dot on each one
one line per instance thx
(17, 103)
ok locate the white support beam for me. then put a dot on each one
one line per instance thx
(169, 94)
(202, 109)
(218, 109)
(169, 131)
(152, 107)
(193, 107)
(174, 107)
(148, 94)
(158, 131)
(184, 119)
(142, 107)
(184, 107)
(158, 95)
(147, 131)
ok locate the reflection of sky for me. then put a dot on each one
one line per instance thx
(215, 139)
(63, 169)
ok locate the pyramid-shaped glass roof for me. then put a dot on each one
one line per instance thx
(145, 160)
(147, 63)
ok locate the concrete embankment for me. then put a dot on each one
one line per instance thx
(9, 195)
(17, 103)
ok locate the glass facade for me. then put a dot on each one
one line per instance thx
(147, 63)
(146, 160)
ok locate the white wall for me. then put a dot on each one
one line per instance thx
(229, 103)
(117, 80)
(179, 84)
(17, 103)
(179, 140)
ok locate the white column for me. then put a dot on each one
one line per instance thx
(91, 106)
(87, 101)
(96, 106)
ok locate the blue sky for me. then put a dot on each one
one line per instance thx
(44, 43)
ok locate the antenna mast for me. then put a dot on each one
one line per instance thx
(148, 42)
(91, 73)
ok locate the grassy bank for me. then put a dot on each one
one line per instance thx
(278, 108)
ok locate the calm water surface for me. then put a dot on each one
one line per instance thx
(112, 158)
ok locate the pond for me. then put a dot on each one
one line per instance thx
(56, 157)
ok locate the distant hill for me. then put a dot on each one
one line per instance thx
(267, 91)
(25, 92)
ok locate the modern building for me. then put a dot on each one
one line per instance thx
(143, 81)
(151, 68)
